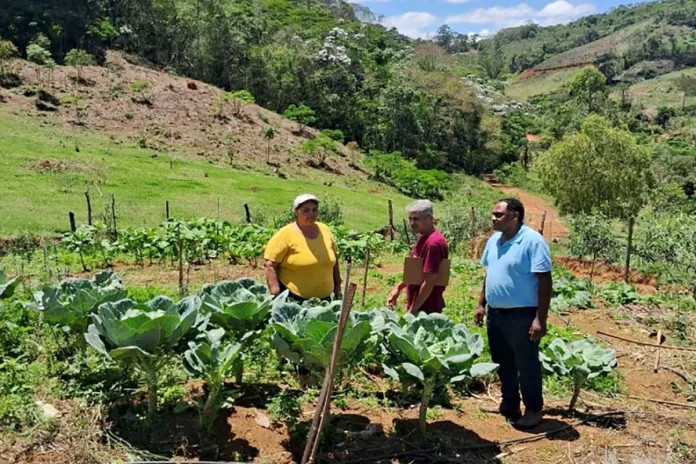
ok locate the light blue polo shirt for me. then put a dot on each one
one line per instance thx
(510, 279)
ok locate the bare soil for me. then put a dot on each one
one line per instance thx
(167, 114)
(535, 208)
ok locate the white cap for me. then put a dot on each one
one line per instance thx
(303, 199)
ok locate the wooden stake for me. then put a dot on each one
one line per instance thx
(671, 403)
(166, 207)
(181, 266)
(657, 352)
(627, 271)
(247, 213)
(89, 208)
(472, 223)
(367, 268)
(543, 221)
(322, 412)
(391, 220)
(113, 214)
(406, 234)
(71, 215)
(171, 164)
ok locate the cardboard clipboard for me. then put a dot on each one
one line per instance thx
(413, 272)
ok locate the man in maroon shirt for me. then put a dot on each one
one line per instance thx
(432, 248)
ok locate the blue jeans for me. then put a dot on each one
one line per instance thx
(517, 356)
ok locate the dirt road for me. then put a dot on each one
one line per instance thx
(535, 207)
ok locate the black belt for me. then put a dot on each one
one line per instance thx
(519, 308)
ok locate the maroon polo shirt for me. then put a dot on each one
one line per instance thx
(432, 249)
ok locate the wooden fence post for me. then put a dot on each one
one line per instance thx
(247, 213)
(113, 214)
(367, 268)
(391, 220)
(408, 237)
(166, 207)
(627, 271)
(543, 221)
(71, 215)
(89, 208)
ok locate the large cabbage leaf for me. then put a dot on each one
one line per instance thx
(144, 334)
(7, 285)
(71, 303)
(582, 360)
(430, 350)
(304, 335)
(241, 307)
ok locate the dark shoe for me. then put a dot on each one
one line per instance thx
(508, 412)
(530, 419)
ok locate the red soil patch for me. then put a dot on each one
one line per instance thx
(605, 273)
(535, 207)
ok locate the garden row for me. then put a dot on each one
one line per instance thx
(215, 331)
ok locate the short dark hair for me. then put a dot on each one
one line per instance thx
(514, 205)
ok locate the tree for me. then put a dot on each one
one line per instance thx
(664, 114)
(78, 58)
(599, 169)
(7, 52)
(269, 133)
(41, 57)
(321, 146)
(687, 85)
(239, 99)
(592, 236)
(590, 87)
(302, 115)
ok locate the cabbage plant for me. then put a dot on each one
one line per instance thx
(71, 303)
(241, 307)
(431, 351)
(7, 285)
(146, 335)
(581, 360)
(305, 335)
(213, 361)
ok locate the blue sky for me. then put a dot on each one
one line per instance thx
(418, 18)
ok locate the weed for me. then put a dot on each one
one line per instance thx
(286, 408)
(138, 86)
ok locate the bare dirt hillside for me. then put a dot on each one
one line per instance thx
(164, 113)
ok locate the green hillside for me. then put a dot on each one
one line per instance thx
(661, 91)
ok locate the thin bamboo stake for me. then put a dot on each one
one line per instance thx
(367, 268)
(669, 347)
(670, 403)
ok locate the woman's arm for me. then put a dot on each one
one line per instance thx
(272, 277)
(337, 280)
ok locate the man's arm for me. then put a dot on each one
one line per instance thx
(424, 292)
(545, 286)
(394, 295)
(481, 309)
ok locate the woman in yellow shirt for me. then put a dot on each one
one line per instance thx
(302, 257)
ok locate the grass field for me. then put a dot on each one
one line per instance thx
(661, 91)
(43, 177)
(541, 83)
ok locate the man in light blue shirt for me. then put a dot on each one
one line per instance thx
(516, 296)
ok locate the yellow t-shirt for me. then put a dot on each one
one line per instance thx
(306, 265)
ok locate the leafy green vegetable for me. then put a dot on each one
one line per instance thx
(7, 286)
(213, 361)
(582, 360)
(146, 335)
(305, 335)
(241, 308)
(430, 350)
(570, 292)
(71, 303)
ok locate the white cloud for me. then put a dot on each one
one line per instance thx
(557, 12)
(457, 1)
(413, 24)
(372, 1)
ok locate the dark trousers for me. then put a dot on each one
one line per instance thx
(517, 356)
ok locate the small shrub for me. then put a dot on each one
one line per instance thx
(335, 135)
(139, 86)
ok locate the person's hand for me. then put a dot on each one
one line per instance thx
(479, 315)
(393, 298)
(537, 330)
